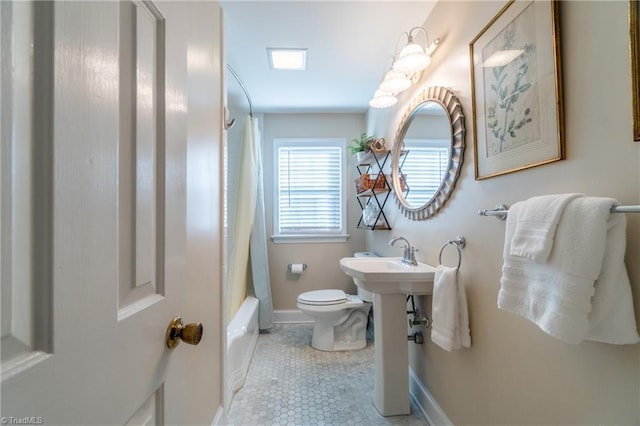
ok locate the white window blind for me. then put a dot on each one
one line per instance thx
(309, 187)
(424, 168)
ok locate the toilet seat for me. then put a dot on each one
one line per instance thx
(323, 297)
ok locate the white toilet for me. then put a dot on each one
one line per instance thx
(340, 318)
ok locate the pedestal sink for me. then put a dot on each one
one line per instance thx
(390, 281)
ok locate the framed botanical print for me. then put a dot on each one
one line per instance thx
(517, 89)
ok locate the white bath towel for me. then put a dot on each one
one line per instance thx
(557, 295)
(536, 225)
(612, 318)
(450, 322)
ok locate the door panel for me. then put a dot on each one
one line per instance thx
(25, 176)
(94, 219)
(150, 413)
(141, 171)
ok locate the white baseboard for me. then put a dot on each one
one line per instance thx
(291, 316)
(426, 403)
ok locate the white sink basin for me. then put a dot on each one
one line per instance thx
(388, 275)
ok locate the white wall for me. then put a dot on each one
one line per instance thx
(514, 373)
(322, 258)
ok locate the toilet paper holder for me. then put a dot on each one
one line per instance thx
(304, 266)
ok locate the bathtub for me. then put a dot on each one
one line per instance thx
(242, 336)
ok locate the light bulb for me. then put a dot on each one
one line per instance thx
(394, 82)
(382, 99)
(412, 59)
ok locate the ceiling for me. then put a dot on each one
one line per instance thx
(350, 45)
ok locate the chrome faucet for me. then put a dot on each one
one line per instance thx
(409, 255)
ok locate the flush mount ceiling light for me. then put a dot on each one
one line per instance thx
(287, 58)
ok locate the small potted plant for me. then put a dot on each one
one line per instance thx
(360, 146)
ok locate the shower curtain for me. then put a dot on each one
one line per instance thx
(259, 260)
(250, 231)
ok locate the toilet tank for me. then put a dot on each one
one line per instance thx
(365, 295)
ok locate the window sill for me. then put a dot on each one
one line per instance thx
(306, 239)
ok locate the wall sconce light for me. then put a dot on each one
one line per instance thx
(394, 82)
(382, 99)
(413, 58)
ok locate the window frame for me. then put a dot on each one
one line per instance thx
(313, 237)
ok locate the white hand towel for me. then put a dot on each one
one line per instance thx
(612, 318)
(557, 295)
(536, 225)
(450, 322)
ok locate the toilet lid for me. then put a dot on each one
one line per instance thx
(323, 297)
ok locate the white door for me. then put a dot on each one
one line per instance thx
(100, 246)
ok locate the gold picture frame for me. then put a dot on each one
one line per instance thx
(516, 89)
(634, 33)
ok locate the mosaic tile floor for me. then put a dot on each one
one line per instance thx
(290, 383)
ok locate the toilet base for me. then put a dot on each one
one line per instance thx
(349, 334)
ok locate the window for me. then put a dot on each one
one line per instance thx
(424, 167)
(309, 190)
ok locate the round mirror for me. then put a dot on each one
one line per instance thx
(427, 153)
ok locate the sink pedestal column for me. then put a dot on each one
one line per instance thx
(391, 387)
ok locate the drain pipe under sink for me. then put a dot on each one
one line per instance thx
(417, 336)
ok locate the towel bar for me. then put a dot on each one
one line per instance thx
(501, 211)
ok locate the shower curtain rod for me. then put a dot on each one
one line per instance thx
(244, 89)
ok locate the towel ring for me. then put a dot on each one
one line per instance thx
(459, 243)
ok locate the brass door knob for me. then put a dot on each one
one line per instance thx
(190, 333)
